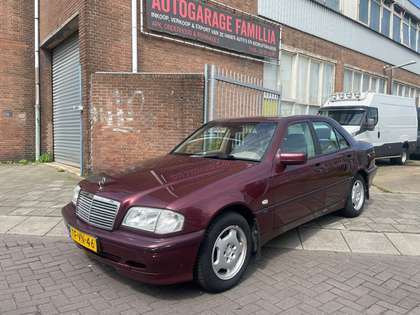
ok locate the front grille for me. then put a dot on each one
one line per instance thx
(97, 211)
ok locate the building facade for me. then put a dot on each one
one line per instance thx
(110, 99)
(16, 80)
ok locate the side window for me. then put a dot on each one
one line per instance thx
(327, 138)
(372, 113)
(342, 141)
(299, 139)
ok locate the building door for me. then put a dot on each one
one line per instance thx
(67, 103)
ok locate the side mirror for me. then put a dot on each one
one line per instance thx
(291, 158)
(370, 124)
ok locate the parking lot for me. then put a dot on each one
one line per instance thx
(370, 264)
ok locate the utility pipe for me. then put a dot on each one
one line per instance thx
(134, 35)
(37, 85)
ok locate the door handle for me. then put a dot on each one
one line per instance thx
(379, 134)
(318, 168)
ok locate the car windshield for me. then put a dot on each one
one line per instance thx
(230, 141)
(345, 117)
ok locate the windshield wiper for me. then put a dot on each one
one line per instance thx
(225, 157)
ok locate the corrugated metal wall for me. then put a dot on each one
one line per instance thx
(312, 18)
(67, 102)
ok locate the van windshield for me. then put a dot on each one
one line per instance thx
(345, 117)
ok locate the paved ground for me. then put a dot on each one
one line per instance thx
(389, 177)
(33, 195)
(363, 265)
(50, 276)
(32, 198)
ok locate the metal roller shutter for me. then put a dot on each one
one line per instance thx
(67, 103)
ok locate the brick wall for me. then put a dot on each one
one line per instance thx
(343, 56)
(16, 80)
(139, 116)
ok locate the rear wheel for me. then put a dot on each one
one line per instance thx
(224, 254)
(356, 199)
(402, 159)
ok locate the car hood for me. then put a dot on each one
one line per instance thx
(158, 182)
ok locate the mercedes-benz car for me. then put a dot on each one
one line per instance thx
(203, 210)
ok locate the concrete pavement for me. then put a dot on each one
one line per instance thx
(32, 197)
(49, 275)
(332, 265)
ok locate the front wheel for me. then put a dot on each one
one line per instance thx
(356, 199)
(224, 254)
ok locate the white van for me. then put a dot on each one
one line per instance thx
(388, 122)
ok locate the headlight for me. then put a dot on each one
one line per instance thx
(76, 191)
(158, 221)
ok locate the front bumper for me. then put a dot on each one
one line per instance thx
(146, 259)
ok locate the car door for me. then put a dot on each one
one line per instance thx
(336, 157)
(296, 191)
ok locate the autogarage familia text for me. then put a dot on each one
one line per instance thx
(214, 25)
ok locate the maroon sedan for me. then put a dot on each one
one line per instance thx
(203, 210)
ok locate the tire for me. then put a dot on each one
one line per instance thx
(354, 205)
(221, 247)
(402, 159)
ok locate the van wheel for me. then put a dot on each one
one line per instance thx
(402, 159)
(356, 198)
(225, 253)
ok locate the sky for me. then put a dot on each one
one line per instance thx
(416, 2)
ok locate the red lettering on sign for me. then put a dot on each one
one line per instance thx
(222, 23)
(183, 8)
(207, 16)
(251, 29)
(229, 23)
(237, 26)
(215, 22)
(191, 11)
(166, 6)
(175, 7)
(156, 5)
(199, 16)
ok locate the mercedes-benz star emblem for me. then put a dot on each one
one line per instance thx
(102, 182)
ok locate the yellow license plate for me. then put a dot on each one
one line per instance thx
(84, 239)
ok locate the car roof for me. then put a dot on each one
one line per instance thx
(260, 119)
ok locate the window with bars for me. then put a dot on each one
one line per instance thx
(359, 81)
(306, 82)
(389, 19)
(406, 90)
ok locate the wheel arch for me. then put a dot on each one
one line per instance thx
(248, 214)
(365, 177)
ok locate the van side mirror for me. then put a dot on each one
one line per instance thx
(370, 124)
(291, 158)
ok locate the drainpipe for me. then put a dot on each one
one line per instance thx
(134, 35)
(37, 86)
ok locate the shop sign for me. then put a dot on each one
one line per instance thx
(215, 25)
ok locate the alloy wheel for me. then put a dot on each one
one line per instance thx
(229, 252)
(358, 195)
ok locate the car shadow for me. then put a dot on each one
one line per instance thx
(167, 292)
(190, 290)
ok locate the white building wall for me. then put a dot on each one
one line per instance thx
(312, 18)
